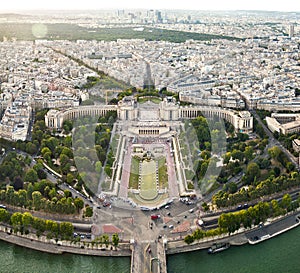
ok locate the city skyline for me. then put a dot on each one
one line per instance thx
(18, 5)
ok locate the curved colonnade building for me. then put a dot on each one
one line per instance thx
(168, 110)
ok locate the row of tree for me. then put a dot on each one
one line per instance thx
(46, 198)
(104, 240)
(199, 234)
(266, 187)
(26, 223)
(232, 221)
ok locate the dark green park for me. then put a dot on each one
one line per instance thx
(74, 32)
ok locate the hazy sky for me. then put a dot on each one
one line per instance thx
(286, 5)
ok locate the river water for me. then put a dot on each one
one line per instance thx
(278, 255)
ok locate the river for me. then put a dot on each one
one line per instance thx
(280, 254)
(277, 255)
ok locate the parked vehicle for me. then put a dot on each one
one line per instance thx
(155, 216)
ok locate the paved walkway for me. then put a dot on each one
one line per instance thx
(123, 192)
(172, 181)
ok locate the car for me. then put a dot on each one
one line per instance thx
(155, 216)
(106, 204)
(178, 222)
(171, 226)
(166, 207)
(169, 213)
(200, 222)
(164, 226)
(191, 210)
(98, 207)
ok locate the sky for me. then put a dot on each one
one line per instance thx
(286, 5)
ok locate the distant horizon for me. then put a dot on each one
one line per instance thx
(187, 5)
(16, 11)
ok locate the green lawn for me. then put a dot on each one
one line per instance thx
(162, 173)
(134, 173)
(148, 189)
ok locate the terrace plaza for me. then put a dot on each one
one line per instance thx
(148, 162)
(153, 147)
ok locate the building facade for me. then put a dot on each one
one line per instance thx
(129, 109)
(284, 123)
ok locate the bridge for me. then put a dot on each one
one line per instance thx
(149, 257)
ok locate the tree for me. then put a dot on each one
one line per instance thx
(249, 153)
(276, 208)
(231, 187)
(37, 200)
(70, 178)
(189, 239)
(63, 159)
(286, 202)
(31, 176)
(67, 126)
(39, 224)
(276, 171)
(27, 219)
(16, 220)
(79, 204)
(105, 239)
(4, 215)
(115, 239)
(45, 150)
(263, 163)
(98, 167)
(290, 166)
(51, 143)
(22, 198)
(252, 172)
(274, 152)
(66, 229)
(88, 211)
(229, 221)
(237, 154)
(18, 183)
(198, 234)
(205, 206)
(30, 190)
(41, 174)
(52, 226)
(31, 148)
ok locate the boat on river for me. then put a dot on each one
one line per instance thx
(218, 247)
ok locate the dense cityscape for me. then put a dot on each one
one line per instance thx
(146, 133)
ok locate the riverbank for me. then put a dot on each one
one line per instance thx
(274, 227)
(266, 232)
(51, 246)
